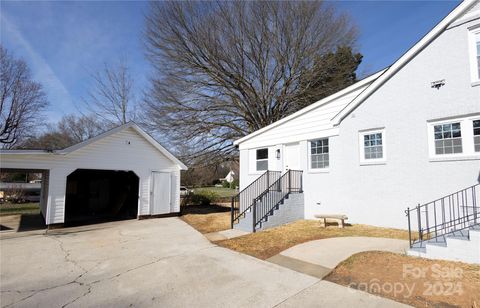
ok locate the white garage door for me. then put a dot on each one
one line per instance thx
(161, 192)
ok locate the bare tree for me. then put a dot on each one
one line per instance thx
(22, 100)
(112, 98)
(225, 69)
(81, 128)
(68, 131)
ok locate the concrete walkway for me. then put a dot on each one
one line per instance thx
(320, 257)
(224, 235)
(157, 262)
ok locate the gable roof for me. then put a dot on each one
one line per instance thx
(405, 58)
(110, 132)
(313, 106)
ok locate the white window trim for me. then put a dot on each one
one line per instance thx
(361, 146)
(466, 127)
(472, 47)
(309, 154)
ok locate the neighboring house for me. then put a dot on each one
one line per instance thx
(122, 173)
(229, 178)
(406, 135)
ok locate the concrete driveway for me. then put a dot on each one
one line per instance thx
(157, 262)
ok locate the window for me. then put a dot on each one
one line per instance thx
(448, 138)
(319, 154)
(456, 138)
(476, 135)
(475, 54)
(477, 47)
(372, 146)
(262, 159)
(477, 43)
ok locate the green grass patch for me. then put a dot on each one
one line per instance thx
(221, 192)
(20, 208)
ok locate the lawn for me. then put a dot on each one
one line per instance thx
(222, 192)
(266, 244)
(207, 218)
(19, 208)
(413, 281)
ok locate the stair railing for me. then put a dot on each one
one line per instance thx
(267, 201)
(243, 201)
(448, 214)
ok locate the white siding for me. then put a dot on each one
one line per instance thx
(44, 193)
(313, 124)
(124, 150)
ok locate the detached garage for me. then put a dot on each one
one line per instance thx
(123, 173)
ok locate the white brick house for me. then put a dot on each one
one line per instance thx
(406, 135)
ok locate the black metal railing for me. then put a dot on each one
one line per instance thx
(266, 202)
(446, 215)
(244, 200)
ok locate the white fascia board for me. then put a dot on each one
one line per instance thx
(313, 106)
(403, 60)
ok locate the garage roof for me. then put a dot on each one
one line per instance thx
(80, 145)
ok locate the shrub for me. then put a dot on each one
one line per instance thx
(234, 184)
(225, 184)
(203, 197)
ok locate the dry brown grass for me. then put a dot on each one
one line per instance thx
(443, 284)
(266, 244)
(207, 218)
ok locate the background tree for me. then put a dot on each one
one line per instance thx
(69, 130)
(22, 100)
(199, 175)
(226, 69)
(112, 97)
(330, 73)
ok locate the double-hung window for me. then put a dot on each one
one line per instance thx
(448, 138)
(475, 54)
(476, 135)
(262, 159)
(319, 158)
(455, 138)
(372, 146)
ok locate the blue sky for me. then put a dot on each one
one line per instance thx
(64, 42)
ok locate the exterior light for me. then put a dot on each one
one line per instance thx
(277, 154)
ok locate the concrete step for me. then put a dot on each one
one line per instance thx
(461, 245)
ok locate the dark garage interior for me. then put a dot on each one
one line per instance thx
(100, 195)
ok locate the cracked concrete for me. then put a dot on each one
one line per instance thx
(156, 262)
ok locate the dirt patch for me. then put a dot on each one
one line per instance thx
(207, 218)
(266, 244)
(413, 281)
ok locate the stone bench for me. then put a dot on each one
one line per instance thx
(338, 217)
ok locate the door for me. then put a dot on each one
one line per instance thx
(291, 157)
(161, 193)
